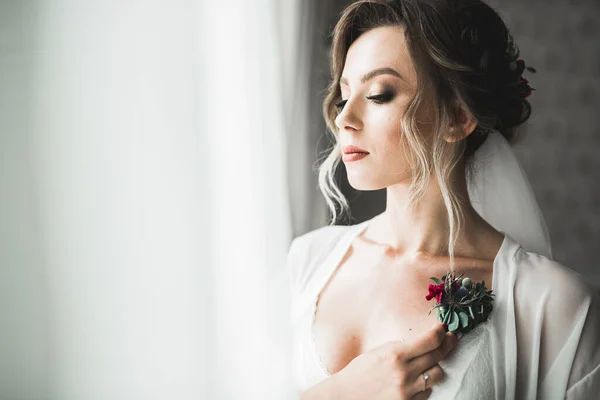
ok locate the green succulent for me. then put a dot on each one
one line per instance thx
(464, 312)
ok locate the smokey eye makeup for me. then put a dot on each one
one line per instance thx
(382, 96)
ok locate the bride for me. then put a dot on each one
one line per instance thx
(425, 97)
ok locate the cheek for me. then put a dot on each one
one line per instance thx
(384, 124)
(390, 145)
(391, 117)
(391, 130)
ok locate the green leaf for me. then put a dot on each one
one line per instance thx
(436, 280)
(464, 319)
(446, 317)
(471, 312)
(454, 321)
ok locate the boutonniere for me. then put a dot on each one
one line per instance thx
(461, 305)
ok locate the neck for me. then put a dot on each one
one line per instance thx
(425, 228)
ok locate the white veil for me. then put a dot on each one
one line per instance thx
(500, 192)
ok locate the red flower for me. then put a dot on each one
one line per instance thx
(436, 291)
(439, 296)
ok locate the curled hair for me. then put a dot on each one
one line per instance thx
(465, 56)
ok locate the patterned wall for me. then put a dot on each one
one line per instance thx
(561, 151)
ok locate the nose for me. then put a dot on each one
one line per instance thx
(350, 117)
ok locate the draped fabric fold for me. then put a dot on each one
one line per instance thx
(156, 215)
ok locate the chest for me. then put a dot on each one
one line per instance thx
(363, 307)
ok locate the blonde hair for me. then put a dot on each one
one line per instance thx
(460, 47)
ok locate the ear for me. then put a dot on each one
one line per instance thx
(464, 125)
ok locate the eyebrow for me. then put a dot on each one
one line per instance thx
(374, 73)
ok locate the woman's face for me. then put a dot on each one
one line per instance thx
(378, 81)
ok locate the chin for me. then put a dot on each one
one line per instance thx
(364, 185)
(360, 180)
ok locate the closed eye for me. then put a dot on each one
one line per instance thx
(381, 98)
(340, 105)
(378, 99)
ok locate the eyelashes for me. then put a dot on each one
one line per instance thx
(382, 98)
(340, 105)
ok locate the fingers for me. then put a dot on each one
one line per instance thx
(435, 376)
(422, 395)
(425, 361)
(431, 340)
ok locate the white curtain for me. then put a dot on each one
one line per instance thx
(145, 206)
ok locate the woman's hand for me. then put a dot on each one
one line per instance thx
(393, 371)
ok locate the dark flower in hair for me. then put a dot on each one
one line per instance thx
(521, 84)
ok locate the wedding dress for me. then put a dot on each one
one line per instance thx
(542, 340)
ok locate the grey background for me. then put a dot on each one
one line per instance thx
(560, 151)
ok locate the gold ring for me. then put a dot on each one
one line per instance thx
(425, 377)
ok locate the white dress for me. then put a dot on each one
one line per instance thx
(542, 340)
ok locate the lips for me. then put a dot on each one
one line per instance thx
(351, 149)
(353, 157)
(353, 153)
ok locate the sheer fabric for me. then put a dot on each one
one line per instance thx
(500, 192)
(542, 339)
